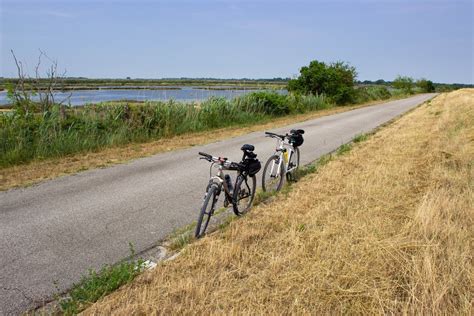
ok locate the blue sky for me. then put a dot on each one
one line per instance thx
(235, 39)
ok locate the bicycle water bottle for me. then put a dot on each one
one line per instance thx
(228, 180)
(285, 155)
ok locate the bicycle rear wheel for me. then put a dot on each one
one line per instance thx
(244, 193)
(207, 210)
(272, 178)
(293, 165)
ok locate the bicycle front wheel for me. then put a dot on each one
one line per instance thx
(207, 210)
(272, 179)
(244, 193)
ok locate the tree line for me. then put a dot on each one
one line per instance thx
(337, 80)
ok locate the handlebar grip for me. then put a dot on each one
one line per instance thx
(205, 155)
(271, 134)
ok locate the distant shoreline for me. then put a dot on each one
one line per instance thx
(152, 84)
(96, 88)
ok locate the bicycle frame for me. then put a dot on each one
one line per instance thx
(285, 152)
(219, 178)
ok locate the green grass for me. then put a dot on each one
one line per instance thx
(181, 237)
(97, 284)
(180, 241)
(371, 93)
(343, 149)
(43, 135)
(360, 138)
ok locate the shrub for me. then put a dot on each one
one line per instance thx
(425, 85)
(271, 103)
(304, 103)
(403, 83)
(344, 95)
(365, 94)
(336, 80)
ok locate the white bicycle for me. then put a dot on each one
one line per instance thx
(285, 162)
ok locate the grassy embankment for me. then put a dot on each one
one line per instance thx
(386, 227)
(44, 146)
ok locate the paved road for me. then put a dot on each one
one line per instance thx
(58, 229)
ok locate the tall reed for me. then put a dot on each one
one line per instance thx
(95, 126)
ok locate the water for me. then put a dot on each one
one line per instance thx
(183, 94)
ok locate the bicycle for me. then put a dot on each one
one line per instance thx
(240, 195)
(284, 162)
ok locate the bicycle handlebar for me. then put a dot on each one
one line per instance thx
(205, 155)
(270, 134)
(223, 161)
(282, 137)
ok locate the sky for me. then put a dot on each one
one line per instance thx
(240, 39)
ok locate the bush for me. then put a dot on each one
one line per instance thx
(304, 103)
(344, 95)
(271, 103)
(404, 84)
(335, 80)
(425, 85)
(365, 94)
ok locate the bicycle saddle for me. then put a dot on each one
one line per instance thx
(248, 147)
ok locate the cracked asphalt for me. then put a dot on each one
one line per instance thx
(51, 233)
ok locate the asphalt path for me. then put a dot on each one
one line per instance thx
(53, 232)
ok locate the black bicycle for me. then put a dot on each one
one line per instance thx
(240, 194)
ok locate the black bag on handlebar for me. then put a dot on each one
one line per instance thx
(252, 165)
(296, 140)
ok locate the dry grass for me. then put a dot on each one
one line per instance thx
(40, 170)
(384, 228)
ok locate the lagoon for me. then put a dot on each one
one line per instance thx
(177, 93)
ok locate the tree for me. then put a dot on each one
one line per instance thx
(31, 94)
(425, 85)
(336, 80)
(403, 83)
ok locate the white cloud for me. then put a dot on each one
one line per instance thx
(54, 13)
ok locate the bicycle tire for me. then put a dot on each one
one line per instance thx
(240, 189)
(278, 182)
(205, 214)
